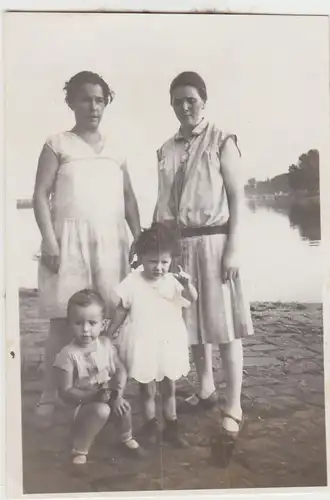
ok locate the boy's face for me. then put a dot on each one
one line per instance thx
(86, 323)
(156, 265)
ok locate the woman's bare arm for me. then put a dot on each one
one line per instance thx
(131, 207)
(230, 169)
(46, 173)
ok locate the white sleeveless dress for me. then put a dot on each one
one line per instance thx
(88, 215)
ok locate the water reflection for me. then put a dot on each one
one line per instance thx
(279, 259)
(303, 214)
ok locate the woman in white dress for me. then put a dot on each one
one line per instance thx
(83, 198)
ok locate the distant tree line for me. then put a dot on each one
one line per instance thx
(302, 177)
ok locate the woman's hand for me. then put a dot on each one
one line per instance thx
(50, 255)
(229, 265)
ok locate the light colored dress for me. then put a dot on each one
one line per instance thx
(192, 194)
(154, 343)
(88, 215)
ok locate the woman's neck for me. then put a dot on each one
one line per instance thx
(186, 130)
(88, 134)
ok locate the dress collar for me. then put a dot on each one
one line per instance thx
(200, 127)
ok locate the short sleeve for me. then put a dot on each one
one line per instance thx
(53, 142)
(124, 291)
(64, 360)
(224, 139)
(178, 289)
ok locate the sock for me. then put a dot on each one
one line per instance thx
(131, 444)
(77, 452)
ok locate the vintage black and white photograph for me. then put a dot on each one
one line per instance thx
(165, 170)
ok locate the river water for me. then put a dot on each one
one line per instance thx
(281, 254)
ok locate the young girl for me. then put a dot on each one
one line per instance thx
(84, 369)
(154, 345)
(83, 198)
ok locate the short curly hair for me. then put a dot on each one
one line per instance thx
(85, 298)
(158, 238)
(72, 86)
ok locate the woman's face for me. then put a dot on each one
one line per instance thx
(188, 106)
(88, 106)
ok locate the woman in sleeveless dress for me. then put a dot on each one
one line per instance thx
(83, 199)
(200, 193)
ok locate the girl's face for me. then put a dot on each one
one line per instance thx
(156, 265)
(188, 106)
(86, 323)
(88, 106)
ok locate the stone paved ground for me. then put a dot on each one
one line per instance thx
(282, 443)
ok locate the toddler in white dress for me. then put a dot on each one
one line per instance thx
(154, 343)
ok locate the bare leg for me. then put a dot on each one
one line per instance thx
(171, 431)
(232, 363)
(149, 431)
(167, 388)
(90, 420)
(124, 426)
(148, 395)
(202, 356)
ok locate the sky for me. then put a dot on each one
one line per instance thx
(267, 81)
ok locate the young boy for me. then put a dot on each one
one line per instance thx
(84, 369)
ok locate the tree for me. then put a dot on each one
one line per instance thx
(301, 177)
(294, 177)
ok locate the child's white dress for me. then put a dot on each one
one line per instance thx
(88, 215)
(154, 344)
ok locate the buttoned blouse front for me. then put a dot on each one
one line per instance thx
(203, 200)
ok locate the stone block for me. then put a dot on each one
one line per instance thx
(261, 361)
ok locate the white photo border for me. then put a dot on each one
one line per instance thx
(12, 434)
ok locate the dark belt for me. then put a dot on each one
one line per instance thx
(189, 232)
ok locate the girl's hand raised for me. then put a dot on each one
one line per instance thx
(50, 256)
(182, 277)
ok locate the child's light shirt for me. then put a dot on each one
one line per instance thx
(88, 368)
(154, 344)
